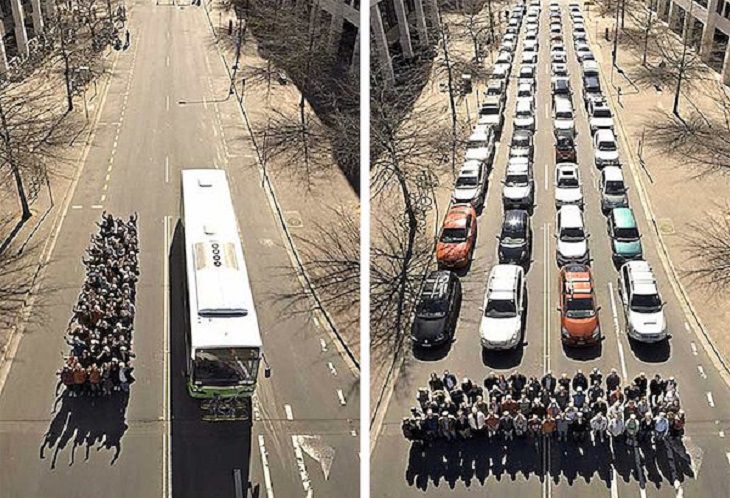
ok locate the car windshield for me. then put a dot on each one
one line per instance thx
(646, 303)
(516, 180)
(467, 181)
(524, 93)
(591, 85)
(615, 187)
(626, 233)
(524, 113)
(512, 237)
(579, 308)
(601, 113)
(568, 182)
(431, 308)
(520, 141)
(493, 90)
(571, 234)
(489, 109)
(476, 144)
(607, 146)
(453, 235)
(225, 366)
(564, 115)
(500, 308)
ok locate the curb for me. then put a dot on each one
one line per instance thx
(680, 292)
(320, 310)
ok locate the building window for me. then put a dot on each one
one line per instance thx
(703, 3)
(726, 11)
(720, 5)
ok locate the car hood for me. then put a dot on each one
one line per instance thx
(572, 249)
(489, 118)
(515, 192)
(512, 252)
(451, 252)
(524, 121)
(607, 155)
(564, 124)
(628, 248)
(519, 152)
(428, 329)
(477, 153)
(499, 330)
(619, 200)
(601, 122)
(647, 323)
(465, 194)
(580, 327)
(568, 195)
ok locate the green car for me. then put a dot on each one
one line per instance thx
(625, 238)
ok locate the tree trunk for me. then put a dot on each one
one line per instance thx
(14, 167)
(452, 103)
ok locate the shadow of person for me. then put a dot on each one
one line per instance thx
(87, 422)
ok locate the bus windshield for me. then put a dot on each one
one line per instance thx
(226, 366)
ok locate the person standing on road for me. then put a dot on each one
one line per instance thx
(599, 424)
(656, 389)
(632, 429)
(596, 376)
(449, 381)
(549, 383)
(562, 426)
(548, 427)
(612, 381)
(646, 428)
(642, 383)
(507, 426)
(580, 380)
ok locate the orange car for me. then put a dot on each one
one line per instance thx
(579, 323)
(458, 236)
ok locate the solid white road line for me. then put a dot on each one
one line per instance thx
(546, 176)
(303, 474)
(167, 61)
(265, 465)
(167, 102)
(167, 169)
(238, 483)
(289, 414)
(166, 446)
(710, 400)
(341, 397)
(617, 329)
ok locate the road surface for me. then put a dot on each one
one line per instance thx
(400, 470)
(166, 110)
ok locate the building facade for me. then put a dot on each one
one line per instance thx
(705, 23)
(342, 18)
(22, 20)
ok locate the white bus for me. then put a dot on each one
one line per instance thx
(223, 342)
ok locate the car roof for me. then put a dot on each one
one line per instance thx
(523, 105)
(518, 160)
(479, 133)
(612, 173)
(434, 287)
(567, 169)
(604, 134)
(563, 102)
(570, 216)
(623, 217)
(521, 133)
(469, 169)
(502, 281)
(517, 168)
(577, 279)
(492, 100)
(515, 218)
(456, 216)
(642, 277)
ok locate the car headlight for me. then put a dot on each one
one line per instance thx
(440, 337)
(596, 332)
(564, 332)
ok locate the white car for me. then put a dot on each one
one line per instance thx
(469, 187)
(568, 189)
(531, 46)
(527, 74)
(589, 67)
(643, 306)
(599, 116)
(556, 28)
(490, 113)
(572, 239)
(559, 69)
(521, 146)
(563, 116)
(529, 57)
(480, 146)
(518, 190)
(531, 34)
(501, 72)
(504, 57)
(605, 149)
(507, 45)
(526, 91)
(581, 49)
(578, 27)
(524, 118)
(504, 308)
(557, 57)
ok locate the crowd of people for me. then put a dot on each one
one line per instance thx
(581, 408)
(100, 331)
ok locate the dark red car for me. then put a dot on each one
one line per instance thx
(565, 150)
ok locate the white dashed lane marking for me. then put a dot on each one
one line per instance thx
(341, 397)
(693, 346)
(701, 371)
(332, 368)
(323, 345)
(710, 400)
(289, 414)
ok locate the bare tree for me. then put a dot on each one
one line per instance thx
(708, 244)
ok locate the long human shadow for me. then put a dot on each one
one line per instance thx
(204, 454)
(478, 459)
(86, 422)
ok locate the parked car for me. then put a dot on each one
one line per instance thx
(437, 310)
(591, 89)
(529, 57)
(457, 239)
(565, 149)
(568, 188)
(522, 145)
(524, 116)
(572, 239)
(527, 74)
(518, 189)
(605, 149)
(579, 322)
(497, 88)
(589, 67)
(526, 91)
(563, 116)
(642, 304)
(480, 146)
(515, 238)
(491, 114)
(612, 189)
(502, 323)
(625, 237)
(599, 116)
(559, 69)
(470, 186)
(561, 86)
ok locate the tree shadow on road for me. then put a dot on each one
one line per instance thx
(87, 422)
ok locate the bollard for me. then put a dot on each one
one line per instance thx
(230, 27)
(606, 35)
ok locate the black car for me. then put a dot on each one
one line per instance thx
(437, 310)
(515, 238)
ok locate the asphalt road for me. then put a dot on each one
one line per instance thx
(399, 470)
(167, 110)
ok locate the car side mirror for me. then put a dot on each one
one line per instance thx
(588, 236)
(598, 308)
(559, 308)
(267, 372)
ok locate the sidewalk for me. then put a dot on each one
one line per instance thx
(678, 195)
(312, 210)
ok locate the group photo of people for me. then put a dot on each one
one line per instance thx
(100, 333)
(592, 408)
